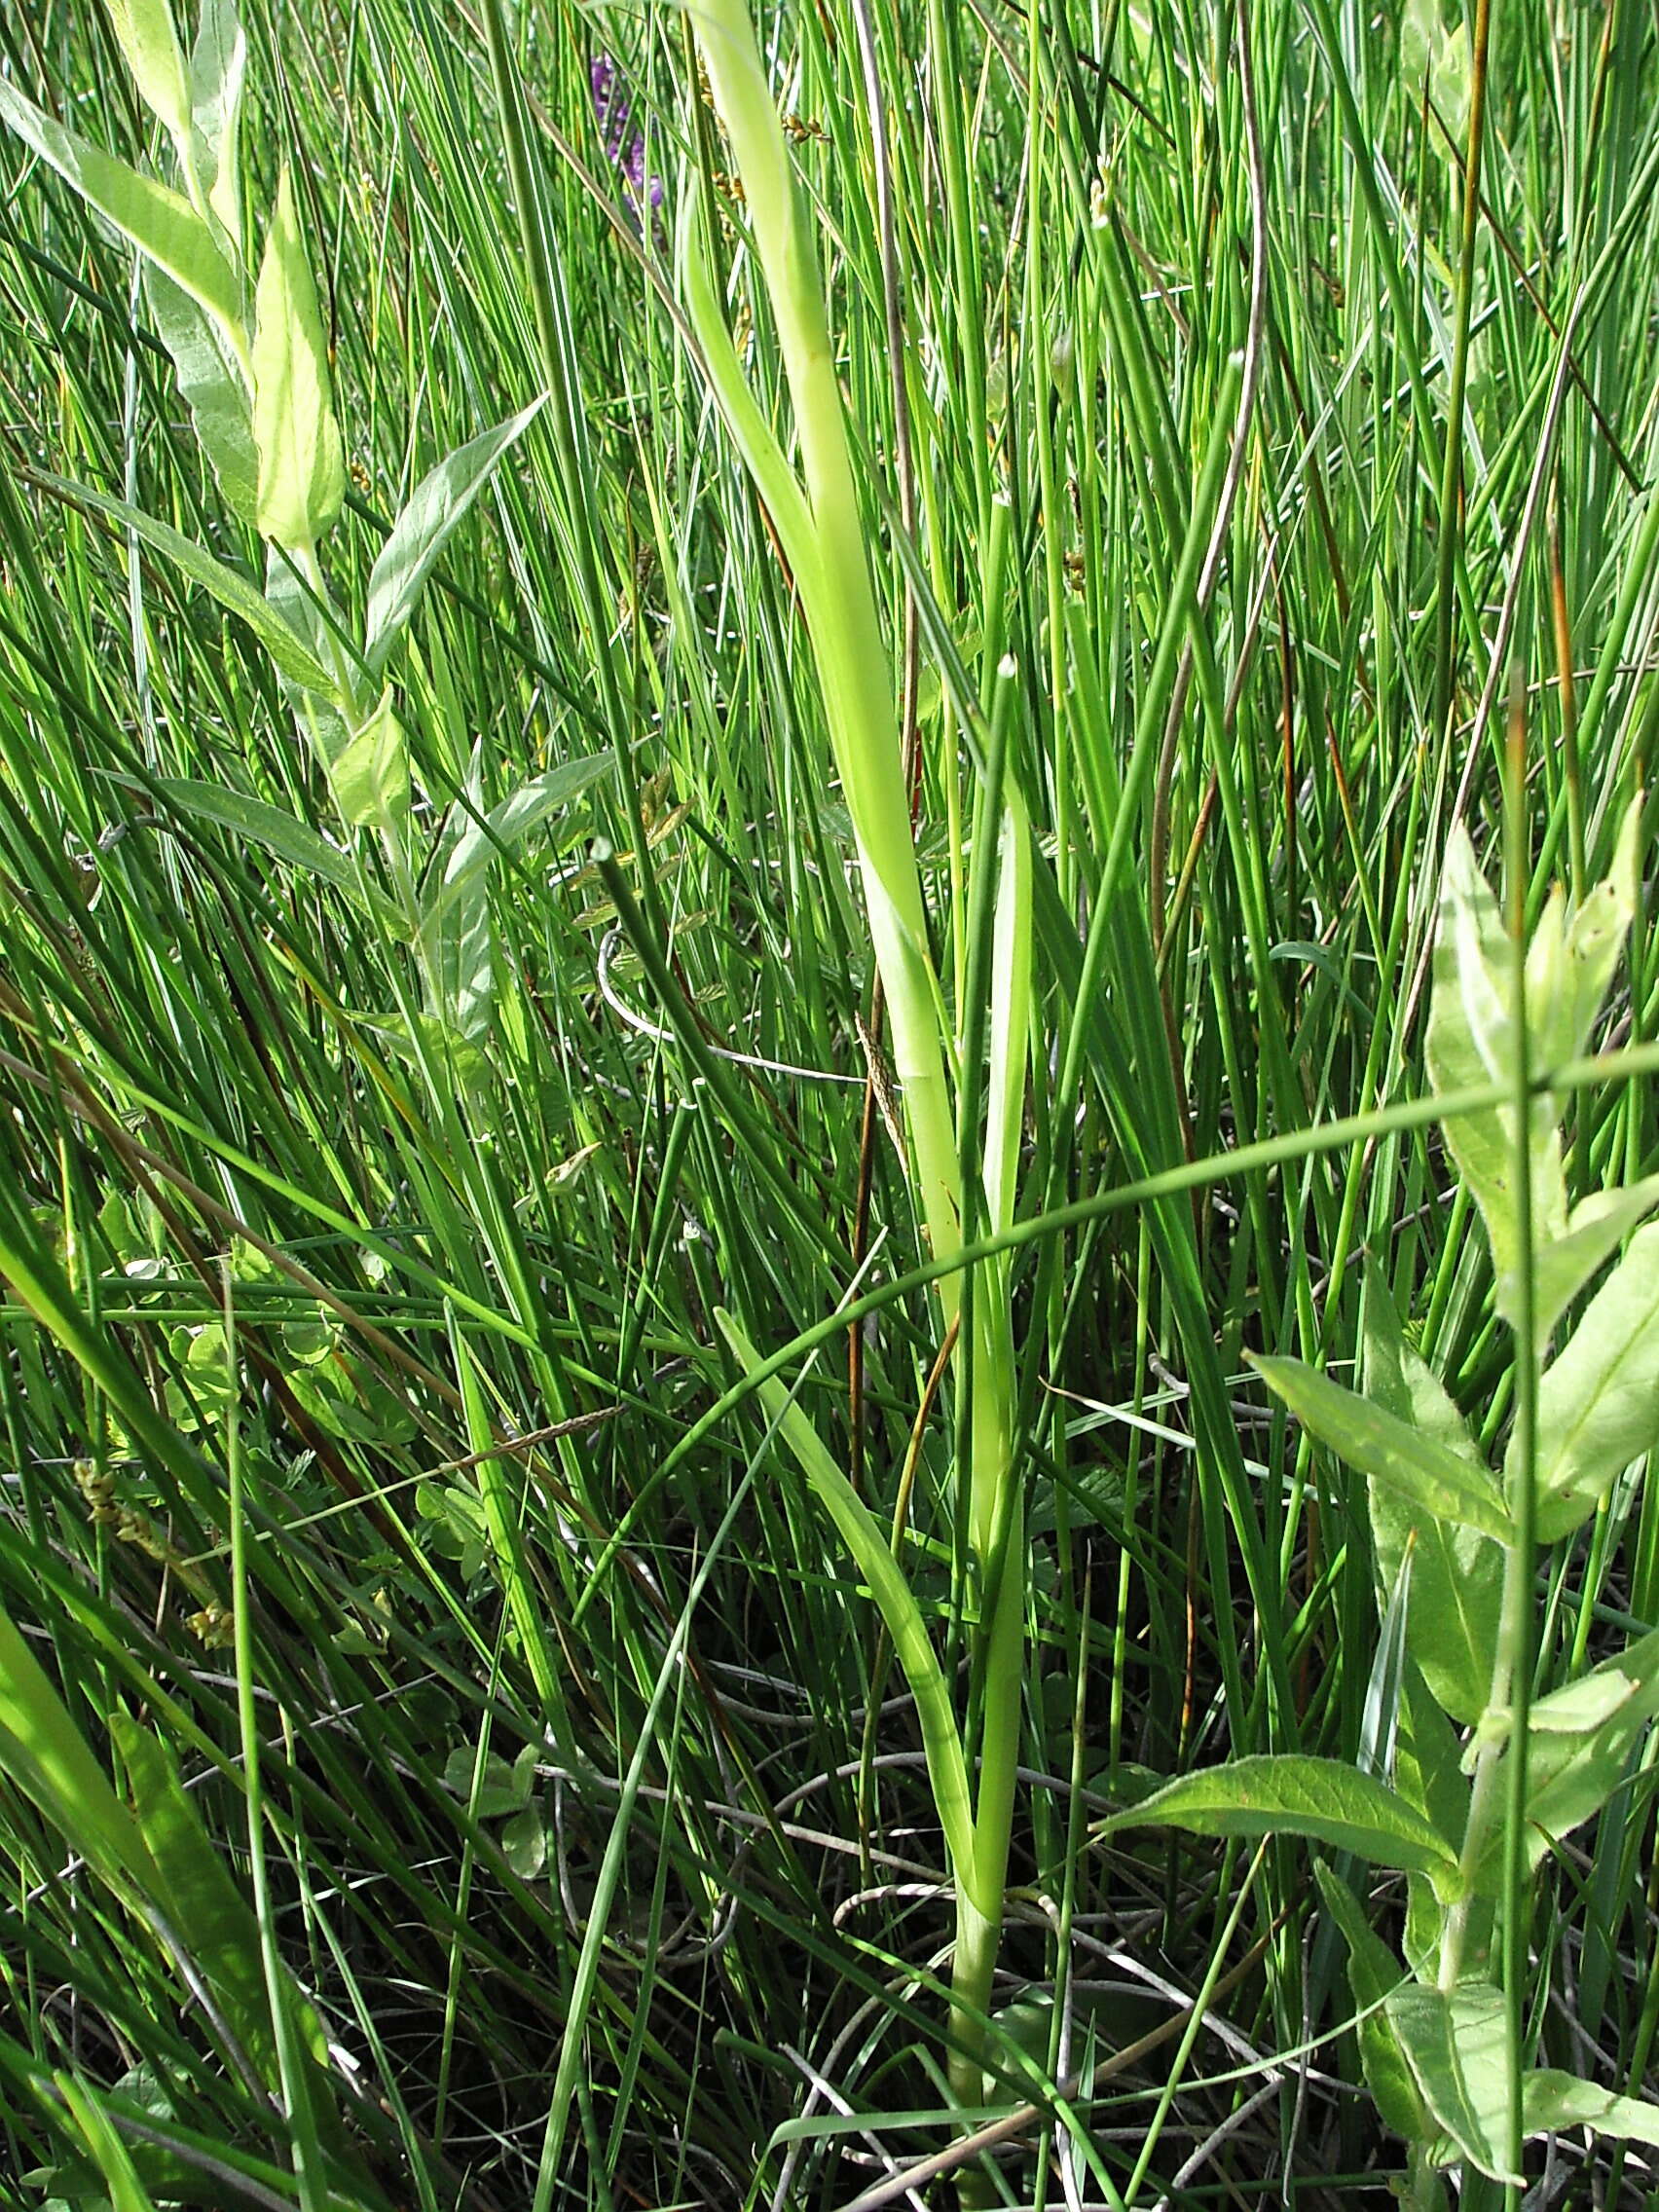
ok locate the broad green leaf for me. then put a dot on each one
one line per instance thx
(418, 536)
(1581, 1740)
(145, 31)
(478, 841)
(1551, 2101)
(1471, 1040)
(1563, 1267)
(159, 222)
(1427, 1775)
(1599, 1400)
(456, 934)
(210, 385)
(46, 1756)
(1418, 1467)
(204, 1909)
(1456, 2048)
(218, 70)
(1292, 1794)
(1456, 1576)
(292, 840)
(1572, 958)
(232, 591)
(523, 1841)
(370, 778)
(1373, 1972)
(864, 1538)
(302, 467)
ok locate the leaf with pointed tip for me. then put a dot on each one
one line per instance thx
(1456, 1576)
(1288, 1793)
(211, 388)
(1552, 2101)
(149, 44)
(432, 511)
(159, 222)
(232, 591)
(1456, 2048)
(1470, 1041)
(1570, 965)
(290, 839)
(1599, 1400)
(218, 70)
(302, 467)
(1563, 1267)
(370, 777)
(948, 1770)
(477, 842)
(1582, 1739)
(1416, 1465)
(1373, 1972)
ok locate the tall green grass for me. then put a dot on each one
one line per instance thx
(1216, 453)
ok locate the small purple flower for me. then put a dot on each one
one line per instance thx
(623, 150)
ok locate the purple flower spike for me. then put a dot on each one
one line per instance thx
(623, 150)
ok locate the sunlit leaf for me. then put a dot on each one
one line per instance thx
(1292, 1794)
(1416, 1467)
(301, 467)
(1599, 1400)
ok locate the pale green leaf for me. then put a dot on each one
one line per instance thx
(1456, 2048)
(1373, 1972)
(1570, 966)
(149, 44)
(370, 777)
(1581, 1741)
(523, 1841)
(1471, 1041)
(1428, 1776)
(232, 591)
(1418, 1467)
(218, 71)
(1456, 1576)
(210, 384)
(159, 222)
(1551, 2102)
(478, 840)
(302, 467)
(1562, 1266)
(1599, 1400)
(296, 843)
(864, 1538)
(418, 536)
(1292, 1794)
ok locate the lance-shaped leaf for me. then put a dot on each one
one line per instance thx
(1572, 958)
(1289, 1793)
(301, 467)
(149, 44)
(1551, 2101)
(948, 1770)
(1471, 1041)
(1563, 1267)
(1581, 1740)
(418, 536)
(1456, 1576)
(218, 71)
(1372, 1973)
(1598, 1401)
(1456, 2048)
(1418, 1467)
(159, 222)
(303, 848)
(232, 590)
(211, 386)
(370, 777)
